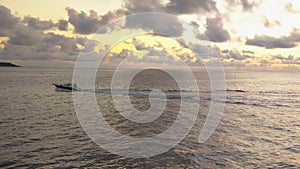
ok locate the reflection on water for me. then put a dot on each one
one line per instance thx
(259, 129)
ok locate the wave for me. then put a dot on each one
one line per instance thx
(236, 97)
(139, 91)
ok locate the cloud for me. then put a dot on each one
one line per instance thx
(138, 44)
(27, 39)
(196, 31)
(83, 23)
(230, 57)
(270, 42)
(295, 35)
(248, 51)
(137, 6)
(235, 63)
(287, 60)
(270, 24)
(245, 4)
(32, 44)
(152, 55)
(191, 6)
(215, 31)
(124, 53)
(158, 23)
(172, 6)
(36, 23)
(158, 56)
(290, 8)
(8, 22)
(203, 51)
(88, 24)
(69, 45)
(162, 24)
(26, 36)
(236, 55)
(11, 25)
(63, 25)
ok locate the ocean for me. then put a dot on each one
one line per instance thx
(259, 128)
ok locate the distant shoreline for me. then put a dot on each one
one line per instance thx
(8, 64)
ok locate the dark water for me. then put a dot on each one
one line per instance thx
(260, 126)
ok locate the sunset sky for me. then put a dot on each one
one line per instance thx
(244, 33)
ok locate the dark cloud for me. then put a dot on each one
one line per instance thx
(196, 31)
(35, 45)
(287, 60)
(26, 36)
(225, 51)
(191, 6)
(230, 57)
(88, 24)
(158, 23)
(28, 39)
(17, 52)
(36, 23)
(137, 6)
(83, 23)
(295, 35)
(11, 25)
(247, 5)
(155, 52)
(162, 24)
(203, 51)
(8, 22)
(236, 55)
(41, 52)
(68, 45)
(172, 6)
(272, 42)
(215, 31)
(63, 25)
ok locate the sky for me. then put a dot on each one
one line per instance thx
(243, 34)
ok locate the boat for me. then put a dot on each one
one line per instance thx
(8, 64)
(67, 87)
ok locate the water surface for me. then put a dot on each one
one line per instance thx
(260, 126)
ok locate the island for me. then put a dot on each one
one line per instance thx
(7, 64)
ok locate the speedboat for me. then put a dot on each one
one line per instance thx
(67, 87)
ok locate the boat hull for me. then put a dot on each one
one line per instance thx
(65, 88)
